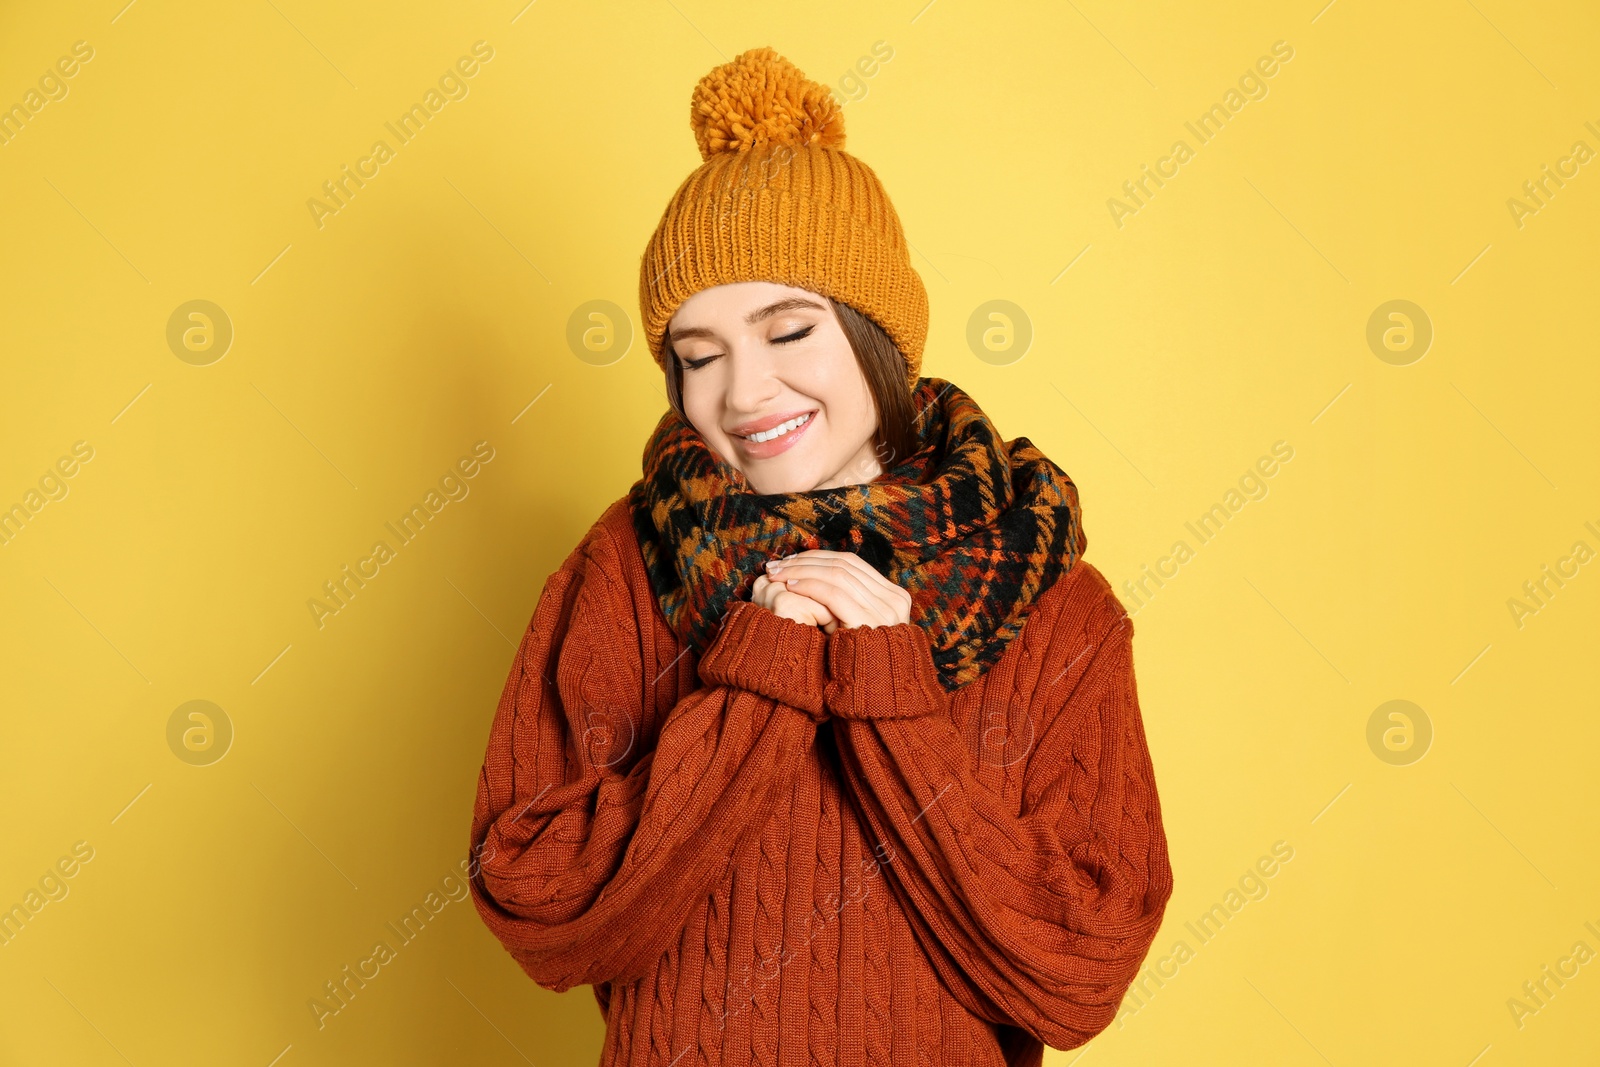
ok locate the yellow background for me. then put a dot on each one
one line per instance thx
(1230, 312)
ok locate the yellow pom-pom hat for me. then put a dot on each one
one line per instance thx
(777, 199)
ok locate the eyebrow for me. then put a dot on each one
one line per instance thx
(791, 303)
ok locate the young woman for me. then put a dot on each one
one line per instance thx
(823, 747)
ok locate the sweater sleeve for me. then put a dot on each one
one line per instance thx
(1038, 913)
(591, 844)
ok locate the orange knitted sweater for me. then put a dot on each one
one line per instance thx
(798, 849)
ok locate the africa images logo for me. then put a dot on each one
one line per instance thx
(452, 85)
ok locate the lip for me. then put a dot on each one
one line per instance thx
(768, 449)
(748, 428)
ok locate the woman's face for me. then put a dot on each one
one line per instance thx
(771, 383)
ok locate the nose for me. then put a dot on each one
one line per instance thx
(751, 382)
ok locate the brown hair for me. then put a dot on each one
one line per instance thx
(882, 366)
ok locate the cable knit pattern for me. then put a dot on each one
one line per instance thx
(708, 1028)
(771, 895)
(775, 657)
(821, 956)
(801, 849)
(882, 672)
(876, 938)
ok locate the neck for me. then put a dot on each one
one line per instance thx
(864, 467)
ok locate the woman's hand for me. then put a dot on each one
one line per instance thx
(777, 598)
(844, 585)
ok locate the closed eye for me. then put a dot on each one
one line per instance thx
(798, 335)
(793, 336)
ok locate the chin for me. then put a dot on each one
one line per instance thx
(771, 484)
(800, 481)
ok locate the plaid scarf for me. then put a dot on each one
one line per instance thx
(974, 528)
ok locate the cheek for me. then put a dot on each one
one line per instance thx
(834, 379)
(850, 412)
(699, 402)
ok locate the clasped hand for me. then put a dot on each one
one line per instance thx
(830, 589)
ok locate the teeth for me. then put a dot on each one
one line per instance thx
(780, 429)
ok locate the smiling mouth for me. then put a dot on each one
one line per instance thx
(780, 430)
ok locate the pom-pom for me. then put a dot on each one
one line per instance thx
(762, 98)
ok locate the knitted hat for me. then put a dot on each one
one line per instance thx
(778, 199)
